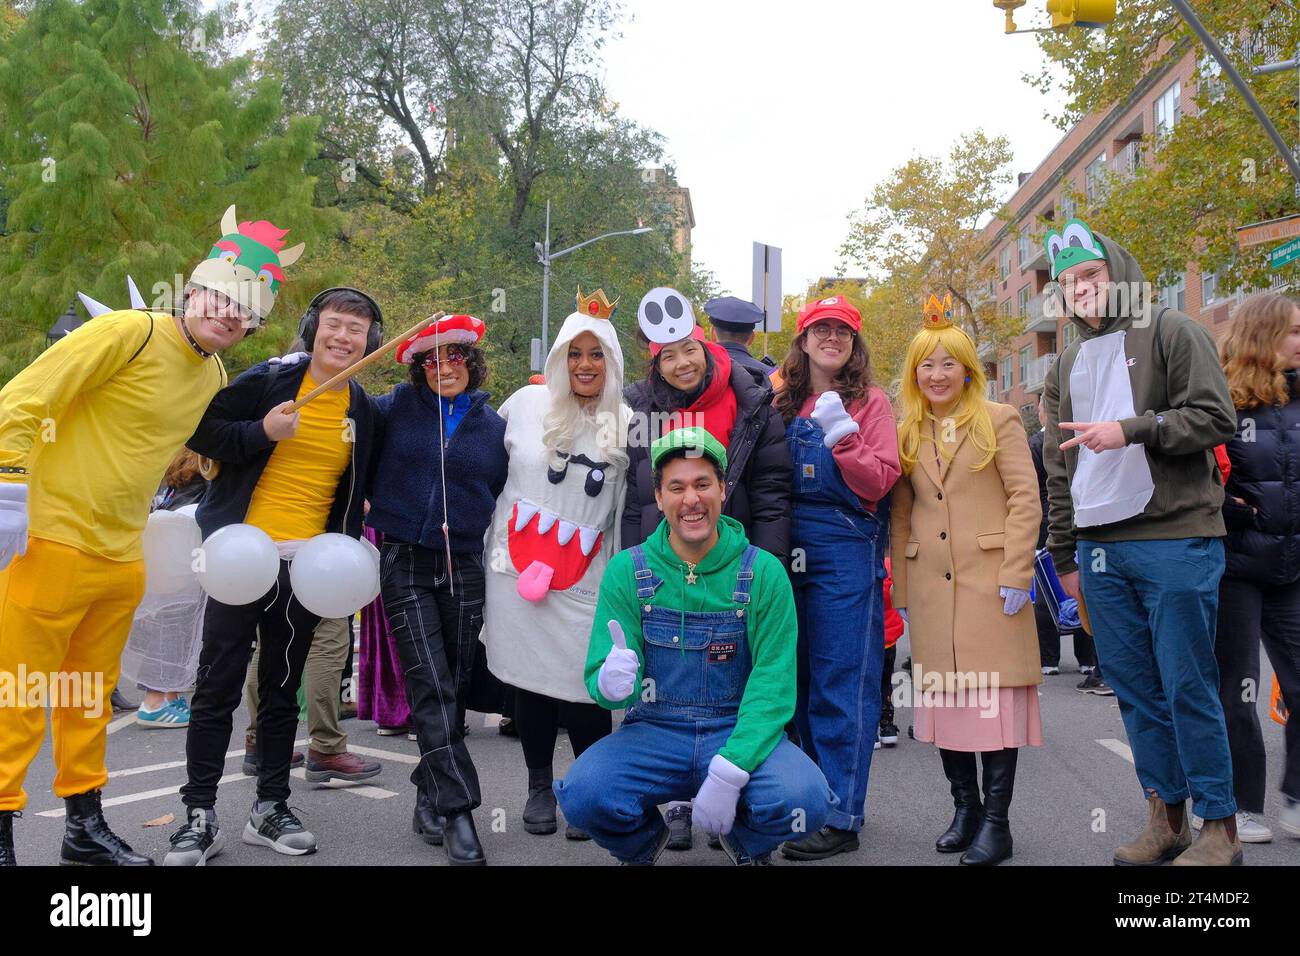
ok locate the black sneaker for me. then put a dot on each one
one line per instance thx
(1092, 684)
(825, 843)
(279, 829)
(888, 733)
(198, 841)
(678, 819)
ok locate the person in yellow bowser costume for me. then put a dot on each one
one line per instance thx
(86, 432)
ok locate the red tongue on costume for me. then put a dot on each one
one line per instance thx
(542, 562)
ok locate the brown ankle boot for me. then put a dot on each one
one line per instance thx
(1158, 842)
(1216, 846)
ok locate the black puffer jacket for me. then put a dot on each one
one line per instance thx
(758, 467)
(1263, 542)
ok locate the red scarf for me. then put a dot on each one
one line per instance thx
(715, 409)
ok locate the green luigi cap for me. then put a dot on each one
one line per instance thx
(1075, 243)
(693, 438)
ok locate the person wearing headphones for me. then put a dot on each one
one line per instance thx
(295, 475)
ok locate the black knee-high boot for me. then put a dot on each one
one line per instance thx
(992, 844)
(959, 767)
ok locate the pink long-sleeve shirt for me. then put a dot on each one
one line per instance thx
(868, 458)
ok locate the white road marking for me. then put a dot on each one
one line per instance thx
(146, 795)
(121, 722)
(1118, 747)
(347, 786)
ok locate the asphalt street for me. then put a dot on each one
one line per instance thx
(1076, 797)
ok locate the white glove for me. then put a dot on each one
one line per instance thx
(902, 612)
(1015, 600)
(293, 358)
(714, 807)
(834, 421)
(617, 677)
(13, 521)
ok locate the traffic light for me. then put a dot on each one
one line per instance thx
(1080, 13)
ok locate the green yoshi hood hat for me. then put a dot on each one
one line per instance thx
(1075, 243)
(694, 439)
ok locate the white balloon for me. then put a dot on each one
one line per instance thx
(169, 540)
(334, 575)
(240, 564)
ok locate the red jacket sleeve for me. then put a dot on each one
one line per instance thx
(868, 460)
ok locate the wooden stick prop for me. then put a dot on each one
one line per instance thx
(209, 469)
(366, 362)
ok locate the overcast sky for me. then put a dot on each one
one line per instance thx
(780, 117)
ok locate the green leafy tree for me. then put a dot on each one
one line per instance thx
(1216, 169)
(129, 130)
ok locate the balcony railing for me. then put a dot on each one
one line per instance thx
(1125, 164)
(1036, 372)
(1037, 318)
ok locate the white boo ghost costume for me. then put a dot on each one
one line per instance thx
(553, 531)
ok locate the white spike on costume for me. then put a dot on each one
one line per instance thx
(525, 511)
(587, 539)
(567, 530)
(137, 300)
(93, 306)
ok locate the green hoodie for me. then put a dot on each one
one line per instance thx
(1183, 410)
(767, 703)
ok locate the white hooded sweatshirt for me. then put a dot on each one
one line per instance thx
(554, 529)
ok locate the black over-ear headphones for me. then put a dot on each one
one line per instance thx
(311, 319)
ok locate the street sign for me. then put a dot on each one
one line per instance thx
(1273, 230)
(535, 356)
(767, 285)
(1284, 253)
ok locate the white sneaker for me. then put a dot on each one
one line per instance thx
(1086, 669)
(1290, 818)
(877, 747)
(1249, 830)
(1050, 671)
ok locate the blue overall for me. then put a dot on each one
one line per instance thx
(837, 569)
(696, 667)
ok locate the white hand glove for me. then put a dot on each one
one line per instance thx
(714, 807)
(902, 612)
(13, 521)
(293, 358)
(617, 677)
(834, 421)
(1015, 600)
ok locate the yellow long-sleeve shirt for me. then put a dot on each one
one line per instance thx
(96, 424)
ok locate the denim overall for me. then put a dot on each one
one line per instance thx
(696, 667)
(837, 567)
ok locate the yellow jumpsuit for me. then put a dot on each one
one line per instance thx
(95, 421)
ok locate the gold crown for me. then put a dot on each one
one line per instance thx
(596, 305)
(938, 315)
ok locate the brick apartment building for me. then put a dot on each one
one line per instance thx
(1103, 147)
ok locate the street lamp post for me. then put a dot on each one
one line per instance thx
(546, 257)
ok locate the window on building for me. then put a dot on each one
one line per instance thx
(1094, 179)
(1026, 356)
(1005, 376)
(1022, 300)
(1023, 245)
(1210, 74)
(1212, 285)
(1068, 208)
(1174, 294)
(1169, 109)
(1069, 335)
(1004, 263)
(1005, 309)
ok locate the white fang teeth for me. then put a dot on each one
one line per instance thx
(545, 522)
(587, 540)
(567, 530)
(524, 512)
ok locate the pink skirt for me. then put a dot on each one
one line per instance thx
(960, 722)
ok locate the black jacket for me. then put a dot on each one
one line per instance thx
(758, 466)
(231, 432)
(1036, 451)
(1263, 542)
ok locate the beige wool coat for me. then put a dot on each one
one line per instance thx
(957, 537)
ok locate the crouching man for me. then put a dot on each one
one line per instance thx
(695, 634)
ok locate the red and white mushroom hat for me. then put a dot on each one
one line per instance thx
(449, 330)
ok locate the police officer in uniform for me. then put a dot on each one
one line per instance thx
(734, 321)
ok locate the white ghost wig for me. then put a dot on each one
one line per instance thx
(566, 418)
